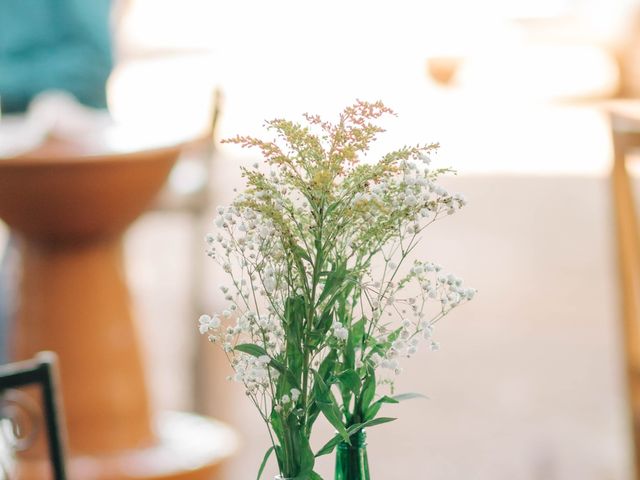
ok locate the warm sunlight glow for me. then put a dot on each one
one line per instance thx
(162, 93)
(505, 70)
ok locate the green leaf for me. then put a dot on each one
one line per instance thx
(264, 462)
(328, 405)
(393, 336)
(313, 410)
(373, 410)
(343, 297)
(376, 421)
(294, 311)
(287, 379)
(368, 389)
(331, 411)
(351, 380)
(279, 456)
(335, 280)
(356, 333)
(251, 349)
(409, 396)
(327, 365)
(301, 458)
(307, 458)
(321, 327)
(277, 365)
(293, 326)
(331, 444)
(301, 252)
(387, 399)
(277, 426)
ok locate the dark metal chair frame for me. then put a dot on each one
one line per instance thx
(41, 371)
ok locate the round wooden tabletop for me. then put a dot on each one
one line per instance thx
(25, 140)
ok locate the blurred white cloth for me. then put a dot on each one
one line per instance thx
(59, 115)
(7, 456)
(50, 114)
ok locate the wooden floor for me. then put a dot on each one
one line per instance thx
(528, 384)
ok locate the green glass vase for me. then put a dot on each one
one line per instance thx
(351, 460)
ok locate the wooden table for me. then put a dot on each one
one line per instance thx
(67, 204)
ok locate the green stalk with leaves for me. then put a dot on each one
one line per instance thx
(314, 250)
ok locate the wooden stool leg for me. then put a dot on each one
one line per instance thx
(629, 265)
(69, 214)
(74, 301)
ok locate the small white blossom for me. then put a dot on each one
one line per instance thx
(207, 323)
(295, 394)
(341, 333)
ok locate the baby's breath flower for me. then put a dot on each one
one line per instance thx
(301, 247)
(295, 394)
(207, 323)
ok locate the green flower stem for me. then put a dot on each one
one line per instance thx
(317, 267)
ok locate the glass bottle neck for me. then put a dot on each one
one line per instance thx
(351, 459)
(358, 440)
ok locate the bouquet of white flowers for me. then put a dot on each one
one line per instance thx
(322, 307)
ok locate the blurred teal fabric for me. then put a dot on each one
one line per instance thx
(54, 44)
(50, 45)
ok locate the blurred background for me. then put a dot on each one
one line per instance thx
(529, 383)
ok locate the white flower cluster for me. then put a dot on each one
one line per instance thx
(241, 234)
(411, 199)
(416, 320)
(253, 372)
(416, 188)
(251, 255)
(340, 332)
(208, 323)
(376, 219)
(244, 245)
(287, 401)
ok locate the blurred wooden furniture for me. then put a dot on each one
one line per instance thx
(68, 203)
(40, 372)
(625, 131)
(188, 192)
(443, 69)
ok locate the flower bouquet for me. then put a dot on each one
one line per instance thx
(323, 299)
